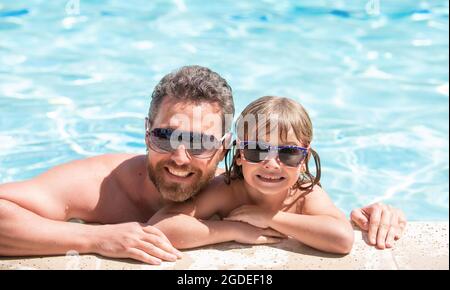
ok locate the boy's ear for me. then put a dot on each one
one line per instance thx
(227, 146)
(239, 159)
(302, 168)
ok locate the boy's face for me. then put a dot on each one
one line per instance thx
(179, 175)
(271, 176)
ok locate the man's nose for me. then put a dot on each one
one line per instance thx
(180, 156)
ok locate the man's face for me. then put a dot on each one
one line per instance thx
(179, 175)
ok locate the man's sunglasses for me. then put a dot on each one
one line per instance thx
(256, 151)
(199, 145)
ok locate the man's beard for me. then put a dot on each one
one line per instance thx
(175, 191)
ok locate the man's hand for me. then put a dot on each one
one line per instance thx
(383, 222)
(247, 234)
(251, 214)
(136, 241)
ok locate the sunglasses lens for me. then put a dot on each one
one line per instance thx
(160, 138)
(291, 156)
(255, 152)
(199, 145)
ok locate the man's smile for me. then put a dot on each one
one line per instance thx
(183, 174)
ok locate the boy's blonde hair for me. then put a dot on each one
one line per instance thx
(281, 114)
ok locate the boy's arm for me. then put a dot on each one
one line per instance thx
(186, 225)
(180, 223)
(320, 224)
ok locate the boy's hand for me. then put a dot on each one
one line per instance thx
(251, 214)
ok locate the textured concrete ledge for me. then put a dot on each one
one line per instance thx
(425, 245)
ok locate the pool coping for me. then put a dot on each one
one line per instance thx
(424, 245)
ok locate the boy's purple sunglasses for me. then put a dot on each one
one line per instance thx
(257, 151)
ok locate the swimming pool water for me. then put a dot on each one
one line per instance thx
(75, 81)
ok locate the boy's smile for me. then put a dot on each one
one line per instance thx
(270, 178)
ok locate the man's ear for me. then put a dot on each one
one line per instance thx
(228, 140)
(146, 132)
(146, 124)
(147, 141)
(223, 153)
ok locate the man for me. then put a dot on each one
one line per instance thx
(121, 192)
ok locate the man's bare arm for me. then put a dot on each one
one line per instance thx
(24, 233)
(33, 217)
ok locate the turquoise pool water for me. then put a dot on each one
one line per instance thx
(75, 81)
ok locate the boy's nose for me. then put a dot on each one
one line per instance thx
(180, 156)
(271, 161)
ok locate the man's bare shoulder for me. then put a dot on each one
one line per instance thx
(89, 169)
(99, 184)
(87, 188)
(102, 162)
(112, 159)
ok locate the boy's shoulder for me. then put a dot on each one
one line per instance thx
(228, 193)
(218, 187)
(222, 184)
(298, 198)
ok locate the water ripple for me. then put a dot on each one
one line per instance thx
(14, 13)
(375, 85)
